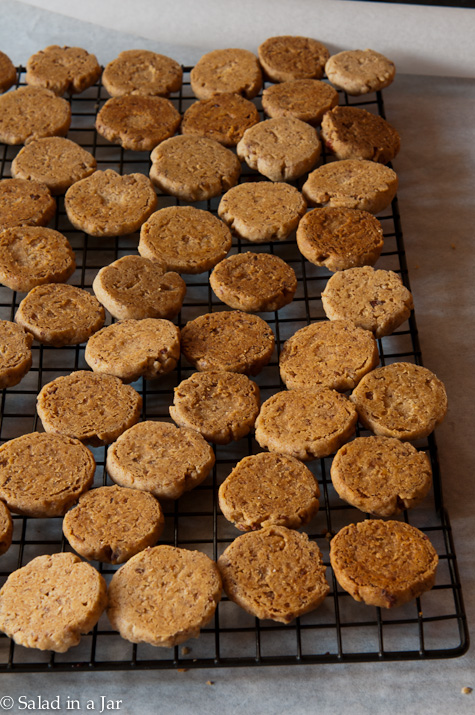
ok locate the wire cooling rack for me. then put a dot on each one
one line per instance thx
(340, 630)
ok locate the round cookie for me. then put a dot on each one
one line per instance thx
(254, 282)
(305, 423)
(383, 563)
(93, 408)
(400, 400)
(281, 149)
(229, 340)
(193, 168)
(360, 71)
(375, 300)
(15, 355)
(25, 203)
(7, 73)
(131, 349)
(224, 118)
(63, 69)
(329, 354)
(30, 113)
(340, 238)
(49, 603)
(160, 458)
(185, 239)
(269, 489)
(230, 70)
(304, 99)
(134, 287)
(164, 595)
(111, 524)
(381, 475)
(288, 57)
(54, 161)
(60, 314)
(142, 72)
(108, 204)
(43, 475)
(221, 406)
(137, 122)
(262, 211)
(353, 133)
(274, 573)
(6, 528)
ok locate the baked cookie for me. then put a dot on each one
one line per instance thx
(288, 57)
(108, 204)
(131, 349)
(306, 423)
(160, 458)
(269, 489)
(229, 70)
(381, 475)
(49, 603)
(354, 133)
(164, 595)
(137, 122)
(360, 71)
(93, 408)
(262, 211)
(142, 72)
(304, 99)
(193, 168)
(54, 161)
(63, 69)
(7, 73)
(383, 563)
(274, 573)
(254, 282)
(400, 400)
(30, 113)
(25, 203)
(111, 524)
(375, 300)
(134, 287)
(15, 355)
(281, 149)
(6, 528)
(185, 239)
(224, 118)
(221, 406)
(340, 238)
(43, 475)
(229, 340)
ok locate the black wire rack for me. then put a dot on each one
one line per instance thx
(340, 630)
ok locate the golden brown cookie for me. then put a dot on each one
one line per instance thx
(49, 603)
(269, 489)
(354, 133)
(400, 400)
(185, 239)
(142, 72)
(63, 69)
(288, 57)
(164, 595)
(6, 528)
(230, 70)
(383, 563)
(381, 475)
(275, 573)
(15, 355)
(7, 73)
(160, 458)
(30, 113)
(360, 71)
(304, 99)
(93, 408)
(224, 118)
(25, 203)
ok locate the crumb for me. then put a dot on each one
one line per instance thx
(182, 670)
(328, 536)
(466, 691)
(416, 266)
(452, 246)
(185, 650)
(210, 682)
(420, 614)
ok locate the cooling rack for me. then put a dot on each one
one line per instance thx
(340, 630)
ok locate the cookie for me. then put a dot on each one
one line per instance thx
(185, 239)
(375, 300)
(230, 70)
(25, 203)
(159, 458)
(268, 489)
(281, 149)
(30, 113)
(137, 122)
(229, 340)
(306, 423)
(111, 524)
(354, 133)
(63, 69)
(43, 475)
(274, 573)
(163, 596)
(6, 528)
(131, 349)
(15, 356)
(262, 211)
(360, 71)
(400, 400)
(54, 161)
(142, 72)
(304, 99)
(134, 287)
(224, 118)
(254, 282)
(60, 314)
(383, 563)
(221, 406)
(340, 238)
(193, 168)
(288, 57)
(352, 184)
(381, 475)
(108, 204)
(93, 408)
(7, 73)
(49, 603)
